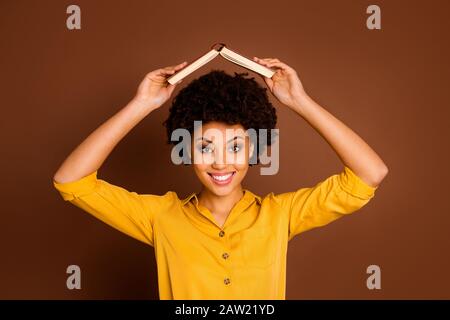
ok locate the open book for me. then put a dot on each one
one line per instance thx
(221, 49)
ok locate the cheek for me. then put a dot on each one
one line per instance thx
(241, 172)
(240, 159)
(202, 159)
(200, 168)
(241, 168)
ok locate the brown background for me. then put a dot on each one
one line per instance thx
(390, 86)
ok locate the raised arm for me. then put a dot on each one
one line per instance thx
(353, 151)
(88, 157)
(76, 180)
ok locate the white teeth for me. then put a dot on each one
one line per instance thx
(221, 178)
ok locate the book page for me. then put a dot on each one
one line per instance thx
(193, 66)
(245, 62)
(227, 54)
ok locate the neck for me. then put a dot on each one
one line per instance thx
(220, 204)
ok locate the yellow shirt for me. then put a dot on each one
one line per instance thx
(196, 258)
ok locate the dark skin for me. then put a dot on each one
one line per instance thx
(286, 87)
(353, 151)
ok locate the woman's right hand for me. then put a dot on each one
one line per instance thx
(154, 90)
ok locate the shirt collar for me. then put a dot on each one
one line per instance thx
(248, 197)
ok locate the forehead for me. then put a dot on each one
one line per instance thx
(212, 130)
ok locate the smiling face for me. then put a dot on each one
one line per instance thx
(221, 155)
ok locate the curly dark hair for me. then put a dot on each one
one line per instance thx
(218, 96)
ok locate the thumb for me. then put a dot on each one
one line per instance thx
(171, 87)
(268, 81)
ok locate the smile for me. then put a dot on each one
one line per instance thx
(222, 179)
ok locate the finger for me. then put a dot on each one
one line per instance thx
(280, 65)
(172, 69)
(166, 72)
(177, 66)
(159, 74)
(271, 65)
(271, 60)
(181, 65)
(264, 62)
(263, 59)
(167, 69)
(269, 82)
(171, 88)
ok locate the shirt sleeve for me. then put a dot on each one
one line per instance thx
(330, 199)
(126, 211)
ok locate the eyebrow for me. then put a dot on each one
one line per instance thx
(209, 141)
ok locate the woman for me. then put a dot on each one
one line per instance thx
(224, 242)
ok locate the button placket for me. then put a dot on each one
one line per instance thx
(225, 255)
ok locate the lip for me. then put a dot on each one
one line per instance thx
(222, 182)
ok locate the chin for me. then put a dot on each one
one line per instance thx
(222, 191)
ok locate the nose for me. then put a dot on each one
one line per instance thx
(218, 166)
(219, 162)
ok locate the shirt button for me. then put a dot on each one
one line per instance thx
(225, 255)
(221, 233)
(226, 281)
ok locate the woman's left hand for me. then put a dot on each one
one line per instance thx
(284, 84)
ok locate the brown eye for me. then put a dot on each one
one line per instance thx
(235, 148)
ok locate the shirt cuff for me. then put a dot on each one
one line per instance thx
(354, 185)
(78, 188)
